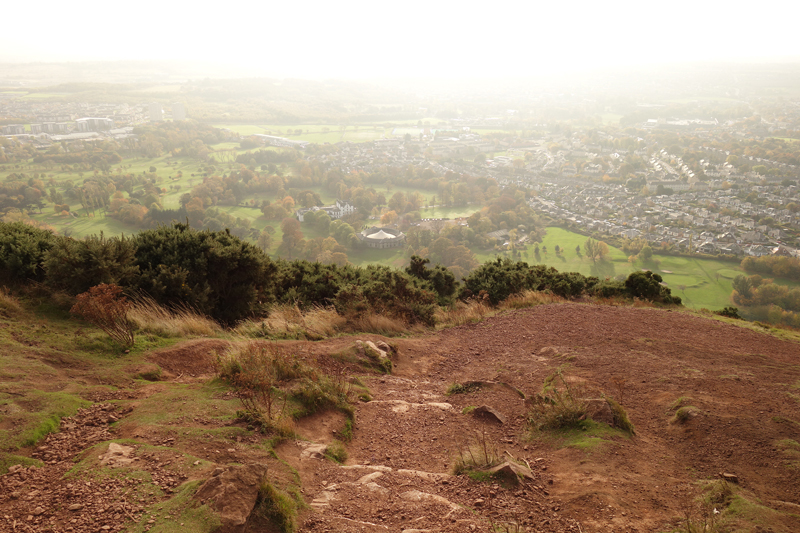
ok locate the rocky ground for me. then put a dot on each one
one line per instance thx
(742, 384)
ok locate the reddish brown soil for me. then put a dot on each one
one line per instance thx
(645, 358)
(742, 382)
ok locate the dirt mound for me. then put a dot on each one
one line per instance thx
(193, 358)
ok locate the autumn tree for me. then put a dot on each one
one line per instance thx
(596, 250)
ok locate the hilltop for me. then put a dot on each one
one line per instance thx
(706, 397)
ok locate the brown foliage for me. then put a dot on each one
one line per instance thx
(104, 306)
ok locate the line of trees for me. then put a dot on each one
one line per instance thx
(230, 279)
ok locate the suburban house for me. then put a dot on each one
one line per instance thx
(337, 210)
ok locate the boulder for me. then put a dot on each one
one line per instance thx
(511, 473)
(312, 450)
(385, 347)
(488, 413)
(598, 410)
(232, 494)
(117, 456)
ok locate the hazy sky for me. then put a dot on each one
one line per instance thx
(430, 38)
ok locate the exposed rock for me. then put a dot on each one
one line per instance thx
(383, 346)
(598, 410)
(377, 468)
(312, 450)
(117, 456)
(369, 478)
(427, 476)
(232, 494)
(733, 478)
(402, 406)
(381, 491)
(511, 473)
(375, 353)
(487, 413)
(419, 496)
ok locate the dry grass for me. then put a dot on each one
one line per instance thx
(530, 299)
(380, 324)
(463, 313)
(151, 317)
(9, 305)
(478, 454)
(290, 322)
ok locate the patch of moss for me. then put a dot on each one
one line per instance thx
(39, 414)
(685, 413)
(8, 460)
(463, 388)
(278, 507)
(336, 452)
(179, 514)
(589, 436)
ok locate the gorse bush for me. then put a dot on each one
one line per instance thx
(76, 265)
(647, 285)
(215, 273)
(22, 252)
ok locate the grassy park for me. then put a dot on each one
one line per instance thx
(700, 282)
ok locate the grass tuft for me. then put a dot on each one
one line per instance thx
(9, 305)
(148, 316)
(530, 299)
(336, 452)
(462, 313)
(277, 507)
(559, 405)
(685, 413)
(290, 322)
(478, 454)
(621, 419)
(463, 388)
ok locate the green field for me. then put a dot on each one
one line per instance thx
(448, 212)
(703, 288)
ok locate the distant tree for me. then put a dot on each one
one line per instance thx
(264, 240)
(596, 250)
(388, 218)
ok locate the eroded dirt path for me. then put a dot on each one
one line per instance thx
(740, 381)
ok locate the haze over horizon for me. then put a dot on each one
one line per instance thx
(363, 40)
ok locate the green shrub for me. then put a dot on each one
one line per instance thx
(502, 278)
(215, 273)
(77, 265)
(729, 311)
(647, 286)
(609, 288)
(22, 252)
